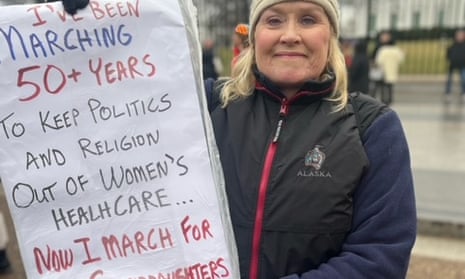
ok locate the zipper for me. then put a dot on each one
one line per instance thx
(262, 191)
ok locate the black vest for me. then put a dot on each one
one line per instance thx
(308, 207)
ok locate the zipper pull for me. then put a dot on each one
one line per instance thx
(282, 114)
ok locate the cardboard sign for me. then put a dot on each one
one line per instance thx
(104, 154)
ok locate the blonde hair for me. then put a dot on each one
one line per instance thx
(242, 81)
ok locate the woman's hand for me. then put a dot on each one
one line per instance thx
(72, 6)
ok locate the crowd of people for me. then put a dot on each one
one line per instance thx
(377, 73)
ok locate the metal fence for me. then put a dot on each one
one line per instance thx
(424, 28)
(217, 18)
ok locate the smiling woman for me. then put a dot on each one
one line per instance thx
(307, 196)
(305, 30)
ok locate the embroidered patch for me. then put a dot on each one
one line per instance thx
(315, 158)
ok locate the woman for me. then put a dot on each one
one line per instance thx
(240, 41)
(308, 197)
(388, 58)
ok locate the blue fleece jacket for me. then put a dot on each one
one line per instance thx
(384, 219)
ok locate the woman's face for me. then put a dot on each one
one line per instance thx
(292, 44)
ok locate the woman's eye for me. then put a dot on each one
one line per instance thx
(307, 20)
(274, 21)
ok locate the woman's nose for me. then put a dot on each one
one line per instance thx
(290, 34)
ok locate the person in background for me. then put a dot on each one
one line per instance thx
(360, 69)
(310, 196)
(382, 39)
(4, 262)
(376, 75)
(388, 58)
(208, 60)
(240, 41)
(456, 60)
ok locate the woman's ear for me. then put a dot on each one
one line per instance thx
(72, 6)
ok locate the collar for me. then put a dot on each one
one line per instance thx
(310, 92)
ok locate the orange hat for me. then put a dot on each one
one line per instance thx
(242, 29)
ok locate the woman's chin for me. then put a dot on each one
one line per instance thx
(291, 79)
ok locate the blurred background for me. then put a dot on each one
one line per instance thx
(435, 129)
(423, 28)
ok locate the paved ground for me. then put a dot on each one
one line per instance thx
(436, 134)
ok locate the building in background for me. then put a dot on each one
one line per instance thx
(360, 18)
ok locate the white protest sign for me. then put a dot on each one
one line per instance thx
(104, 155)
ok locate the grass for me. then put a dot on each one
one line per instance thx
(424, 57)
